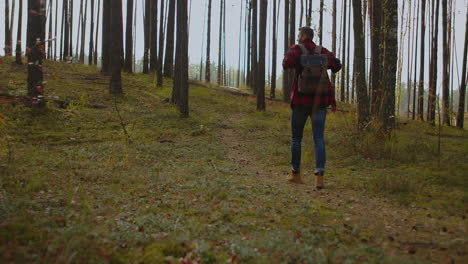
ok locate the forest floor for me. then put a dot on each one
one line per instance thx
(123, 179)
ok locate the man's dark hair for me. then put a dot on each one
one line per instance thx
(309, 32)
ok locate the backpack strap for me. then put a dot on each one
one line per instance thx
(303, 49)
(318, 50)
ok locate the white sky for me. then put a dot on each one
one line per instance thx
(233, 21)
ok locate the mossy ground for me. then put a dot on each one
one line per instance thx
(75, 187)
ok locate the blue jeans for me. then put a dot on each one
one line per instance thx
(299, 116)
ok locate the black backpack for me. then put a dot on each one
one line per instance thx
(313, 80)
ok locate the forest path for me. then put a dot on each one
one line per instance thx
(400, 230)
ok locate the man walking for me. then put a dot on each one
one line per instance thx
(310, 97)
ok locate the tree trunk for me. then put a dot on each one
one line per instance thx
(432, 95)
(129, 38)
(415, 60)
(261, 56)
(169, 58)
(208, 44)
(376, 51)
(97, 34)
(50, 33)
(161, 46)
(147, 19)
(461, 103)
(240, 45)
(359, 66)
(445, 67)
(420, 112)
(348, 53)
(35, 47)
(321, 22)
(116, 38)
(56, 29)
(106, 35)
(253, 76)
(309, 14)
(286, 81)
(302, 13)
(220, 48)
(153, 35)
(66, 39)
(83, 33)
(274, 52)
(70, 42)
(390, 61)
(181, 64)
(410, 58)
(7, 29)
(91, 36)
(333, 76)
(19, 32)
(343, 72)
(249, 44)
(292, 32)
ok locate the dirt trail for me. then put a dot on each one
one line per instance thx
(401, 231)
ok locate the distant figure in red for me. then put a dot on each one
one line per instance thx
(311, 94)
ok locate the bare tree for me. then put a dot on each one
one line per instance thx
(97, 34)
(254, 63)
(321, 22)
(333, 76)
(106, 35)
(431, 102)
(415, 59)
(343, 75)
(208, 44)
(7, 29)
(147, 26)
(91, 36)
(116, 38)
(153, 35)
(220, 43)
(261, 56)
(274, 51)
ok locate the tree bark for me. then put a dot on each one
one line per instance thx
(321, 23)
(376, 51)
(343, 72)
(333, 76)
(70, 42)
(66, 25)
(161, 46)
(35, 47)
(220, 47)
(249, 43)
(116, 39)
(461, 103)
(19, 32)
(181, 64)
(390, 8)
(97, 34)
(169, 58)
(240, 45)
(129, 38)
(420, 112)
(83, 33)
(359, 66)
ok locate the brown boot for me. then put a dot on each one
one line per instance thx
(295, 177)
(319, 181)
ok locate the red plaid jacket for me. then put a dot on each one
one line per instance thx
(291, 61)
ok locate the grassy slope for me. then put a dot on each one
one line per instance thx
(73, 189)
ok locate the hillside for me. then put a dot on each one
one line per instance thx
(96, 178)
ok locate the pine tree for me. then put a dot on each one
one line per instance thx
(106, 35)
(343, 75)
(274, 51)
(91, 36)
(95, 57)
(147, 26)
(333, 76)
(220, 39)
(153, 35)
(431, 102)
(254, 63)
(7, 29)
(445, 66)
